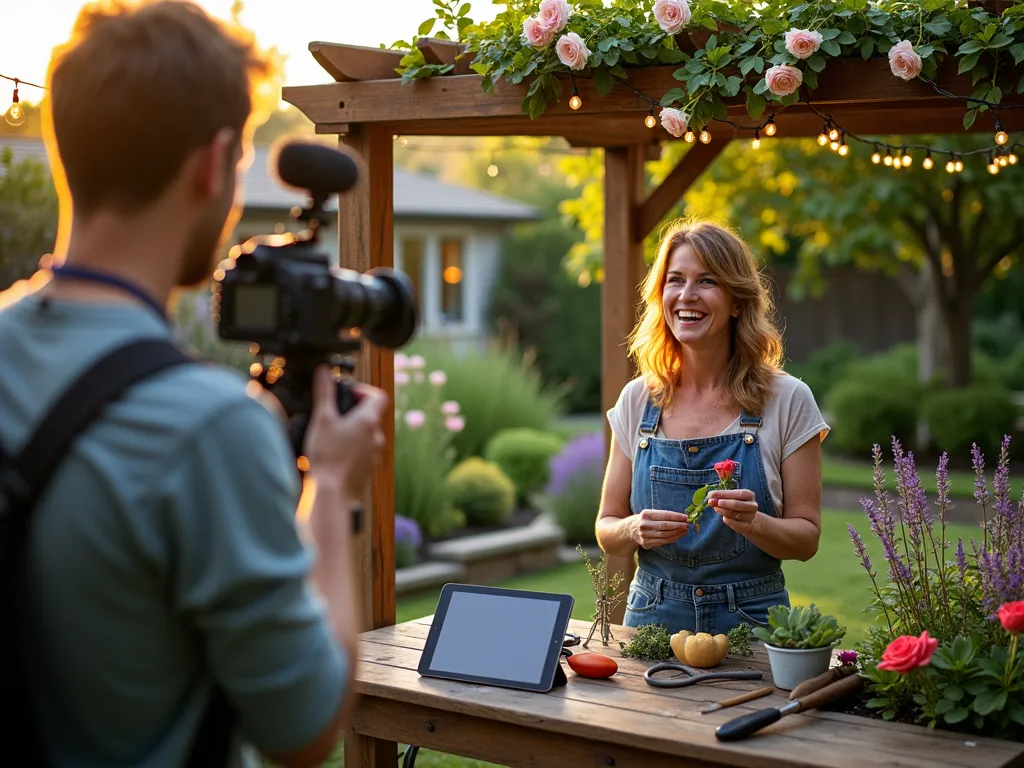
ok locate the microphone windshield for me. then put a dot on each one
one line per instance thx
(315, 167)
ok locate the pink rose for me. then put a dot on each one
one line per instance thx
(783, 79)
(536, 33)
(554, 14)
(675, 121)
(438, 378)
(415, 419)
(671, 15)
(450, 408)
(907, 652)
(802, 42)
(572, 51)
(904, 61)
(1011, 616)
(455, 423)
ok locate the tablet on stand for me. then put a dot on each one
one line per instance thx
(509, 638)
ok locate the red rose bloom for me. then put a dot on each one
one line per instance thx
(907, 652)
(725, 469)
(1011, 616)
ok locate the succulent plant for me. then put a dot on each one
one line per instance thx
(800, 627)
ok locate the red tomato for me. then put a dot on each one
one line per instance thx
(592, 665)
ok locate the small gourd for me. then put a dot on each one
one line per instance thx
(699, 649)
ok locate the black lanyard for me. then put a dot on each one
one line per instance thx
(83, 273)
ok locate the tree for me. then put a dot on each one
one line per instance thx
(941, 235)
(28, 216)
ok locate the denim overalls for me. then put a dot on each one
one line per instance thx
(710, 581)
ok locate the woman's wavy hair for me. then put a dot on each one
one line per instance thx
(756, 348)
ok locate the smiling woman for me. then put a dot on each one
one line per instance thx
(711, 390)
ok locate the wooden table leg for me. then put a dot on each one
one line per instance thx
(367, 752)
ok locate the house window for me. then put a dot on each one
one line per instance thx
(412, 265)
(452, 281)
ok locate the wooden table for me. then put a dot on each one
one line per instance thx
(621, 722)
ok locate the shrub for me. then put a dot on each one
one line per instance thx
(425, 424)
(1012, 370)
(869, 403)
(574, 494)
(980, 414)
(481, 492)
(408, 539)
(525, 456)
(496, 388)
(826, 366)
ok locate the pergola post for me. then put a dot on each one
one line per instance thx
(365, 223)
(623, 270)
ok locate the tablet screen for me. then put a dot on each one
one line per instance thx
(497, 636)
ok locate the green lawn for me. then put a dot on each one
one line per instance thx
(860, 475)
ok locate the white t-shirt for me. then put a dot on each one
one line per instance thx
(791, 417)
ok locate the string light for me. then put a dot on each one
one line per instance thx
(770, 128)
(928, 163)
(705, 136)
(650, 121)
(575, 102)
(15, 114)
(756, 142)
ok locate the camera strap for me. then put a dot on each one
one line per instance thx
(113, 281)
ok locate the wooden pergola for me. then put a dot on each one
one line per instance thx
(368, 105)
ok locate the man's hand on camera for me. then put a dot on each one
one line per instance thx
(344, 448)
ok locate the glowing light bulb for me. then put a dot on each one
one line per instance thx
(950, 166)
(834, 146)
(833, 134)
(888, 158)
(15, 114)
(876, 158)
(650, 121)
(928, 163)
(907, 160)
(705, 136)
(1001, 137)
(688, 136)
(844, 149)
(1013, 158)
(823, 139)
(959, 164)
(993, 168)
(492, 170)
(756, 142)
(770, 128)
(575, 102)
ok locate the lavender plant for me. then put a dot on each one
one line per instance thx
(937, 590)
(573, 493)
(408, 539)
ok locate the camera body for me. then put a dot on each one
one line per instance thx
(282, 294)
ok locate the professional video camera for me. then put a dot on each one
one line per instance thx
(282, 294)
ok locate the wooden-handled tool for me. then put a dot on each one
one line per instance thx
(745, 725)
(749, 696)
(819, 682)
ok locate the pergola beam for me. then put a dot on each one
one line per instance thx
(353, 63)
(451, 98)
(674, 186)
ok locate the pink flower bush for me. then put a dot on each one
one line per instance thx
(415, 419)
(536, 34)
(455, 423)
(783, 79)
(802, 43)
(401, 378)
(675, 121)
(438, 378)
(554, 14)
(401, 361)
(904, 61)
(572, 51)
(671, 15)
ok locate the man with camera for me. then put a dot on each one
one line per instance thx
(167, 604)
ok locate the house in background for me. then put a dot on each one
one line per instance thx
(447, 238)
